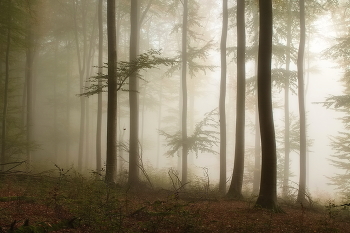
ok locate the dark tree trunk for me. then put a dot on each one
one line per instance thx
(7, 76)
(286, 108)
(134, 97)
(268, 193)
(184, 93)
(235, 190)
(111, 162)
(300, 65)
(99, 97)
(222, 107)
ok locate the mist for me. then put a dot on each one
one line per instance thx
(51, 110)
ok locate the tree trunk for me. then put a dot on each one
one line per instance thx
(29, 92)
(7, 74)
(81, 66)
(99, 97)
(257, 148)
(300, 65)
(111, 162)
(286, 108)
(222, 107)
(268, 193)
(55, 125)
(238, 169)
(134, 97)
(257, 153)
(184, 93)
(68, 103)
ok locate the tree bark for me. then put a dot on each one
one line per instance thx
(134, 97)
(7, 76)
(222, 100)
(286, 107)
(184, 93)
(29, 92)
(301, 93)
(81, 66)
(111, 162)
(268, 193)
(238, 169)
(99, 97)
(257, 152)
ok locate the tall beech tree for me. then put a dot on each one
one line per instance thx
(99, 97)
(286, 104)
(268, 191)
(184, 92)
(29, 79)
(134, 96)
(238, 169)
(302, 115)
(111, 161)
(222, 107)
(7, 77)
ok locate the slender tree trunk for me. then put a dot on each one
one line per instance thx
(160, 93)
(238, 169)
(222, 101)
(268, 190)
(301, 94)
(99, 97)
(7, 76)
(81, 66)
(111, 163)
(29, 92)
(89, 60)
(55, 130)
(257, 148)
(143, 110)
(184, 93)
(257, 154)
(286, 108)
(134, 97)
(68, 104)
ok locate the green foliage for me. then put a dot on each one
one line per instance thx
(149, 60)
(203, 139)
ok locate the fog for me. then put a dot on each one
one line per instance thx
(65, 51)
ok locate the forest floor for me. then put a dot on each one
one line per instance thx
(62, 204)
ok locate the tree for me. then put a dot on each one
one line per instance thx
(134, 96)
(222, 111)
(30, 41)
(84, 54)
(111, 162)
(184, 93)
(99, 100)
(238, 169)
(341, 103)
(302, 115)
(7, 76)
(286, 105)
(268, 190)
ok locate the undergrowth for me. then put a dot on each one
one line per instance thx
(69, 202)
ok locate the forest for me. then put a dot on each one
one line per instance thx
(174, 116)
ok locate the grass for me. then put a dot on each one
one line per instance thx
(70, 202)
